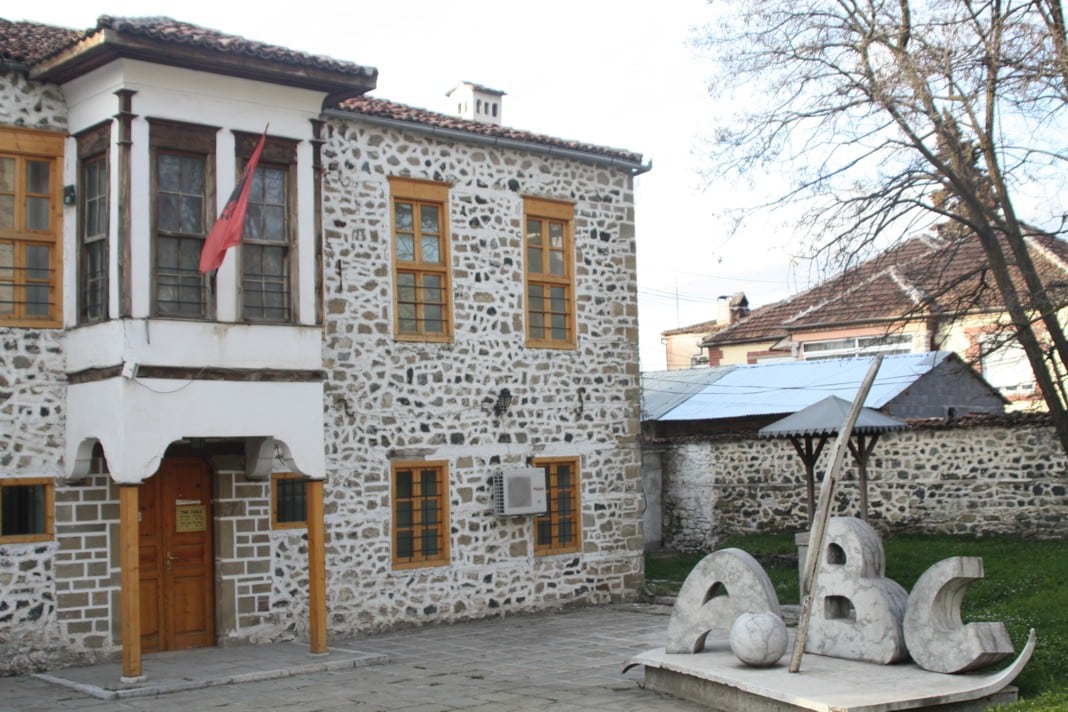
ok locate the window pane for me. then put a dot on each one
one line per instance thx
(291, 501)
(404, 484)
(192, 215)
(431, 250)
(556, 235)
(167, 208)
(534, 263)
(274, 223)
(545, 532)
(37, 213)
(406, 248)
(274, 186)
(430, 543)
(37, 176)
(37, 262)
(534, 232)
(402, 213)
(429, 221)
(37, 300)
(556, 263)
(169, 173)
(7, 175)
(404, 514)
(404, 545)
(429, 483)
(7, 212)
(22, 509)
(192, 176)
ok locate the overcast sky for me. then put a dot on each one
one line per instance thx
(617, 73)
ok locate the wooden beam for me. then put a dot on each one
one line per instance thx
(130, 583)
(316, 568)
(823, 512)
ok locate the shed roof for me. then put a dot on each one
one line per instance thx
(663, 390)
(825, 417)
(787, 387)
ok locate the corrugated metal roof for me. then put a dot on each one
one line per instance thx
(663, 390)
(826, 417)
(787, 387)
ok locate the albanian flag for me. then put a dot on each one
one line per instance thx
(227, 230)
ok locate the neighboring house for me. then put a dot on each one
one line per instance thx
(683, 345)
(304, 442)
(925, 294)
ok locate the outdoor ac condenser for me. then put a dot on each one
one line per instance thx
(519, 491)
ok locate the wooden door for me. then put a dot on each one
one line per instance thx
(177, 595)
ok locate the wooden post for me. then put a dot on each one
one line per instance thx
(823, 512)
(130, 583)
(316, 568)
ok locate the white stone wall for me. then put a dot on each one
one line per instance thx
(1006, 477)
(402, 400)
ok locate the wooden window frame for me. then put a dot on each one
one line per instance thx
(276, 523)
(548, 212)
(418, 559)
(183, 140)
(552, 517)
(49, 508)
(93, 147)
(422, 193)
(24, 145)
(278, 154)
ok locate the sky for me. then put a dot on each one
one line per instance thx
(620, 73)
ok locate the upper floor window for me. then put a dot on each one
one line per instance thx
(420, 514)
(857, 346)
(184, 192)
(422, 309)
(30, 215)
(550, 273)
(557, 531)
(93, 224)
(266, 245)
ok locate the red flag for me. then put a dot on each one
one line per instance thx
(227, 230)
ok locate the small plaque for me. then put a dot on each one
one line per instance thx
(191, 518)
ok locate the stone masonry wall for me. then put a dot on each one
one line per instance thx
(1005, 477)
(32, 397)
(389, 400)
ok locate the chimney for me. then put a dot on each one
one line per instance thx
(730, 309)
(476, 102)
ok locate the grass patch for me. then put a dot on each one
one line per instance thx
(1026, 586)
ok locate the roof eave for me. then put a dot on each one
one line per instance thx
(635, 168)
(107, 45)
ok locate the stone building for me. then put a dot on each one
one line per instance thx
(302, 442)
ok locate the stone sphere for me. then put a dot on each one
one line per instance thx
(758, 639)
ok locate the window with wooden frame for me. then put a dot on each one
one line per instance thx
(420, 514)
(270, 225)
(183, 188)
(93, 207)
(558, 531)
(550, 273)
(421, 275)
(289, 508)
(26, 506)
(31, 213)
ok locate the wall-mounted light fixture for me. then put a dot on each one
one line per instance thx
(504, 402)
(69, 197)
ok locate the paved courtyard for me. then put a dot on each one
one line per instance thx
(553, 661)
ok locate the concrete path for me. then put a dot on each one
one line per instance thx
(552, 661)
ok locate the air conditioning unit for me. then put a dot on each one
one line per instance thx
(519, 491)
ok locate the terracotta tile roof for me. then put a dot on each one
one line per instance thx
(28, 42)
(164, 29)
(369, 106)
(705, 327)
(922, 276)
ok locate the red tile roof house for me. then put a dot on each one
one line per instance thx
(926, 294)
(305, 442)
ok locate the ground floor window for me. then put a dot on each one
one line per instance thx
(558, 530)
(25, 509)
(420, 514)
(289, 508)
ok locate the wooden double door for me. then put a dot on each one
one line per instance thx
(176, 556)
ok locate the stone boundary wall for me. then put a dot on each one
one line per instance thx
(1001, 476)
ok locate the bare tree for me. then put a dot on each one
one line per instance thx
(894, 115)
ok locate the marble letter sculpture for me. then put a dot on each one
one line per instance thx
(857, 612)
(936, 638)
(723, 585)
